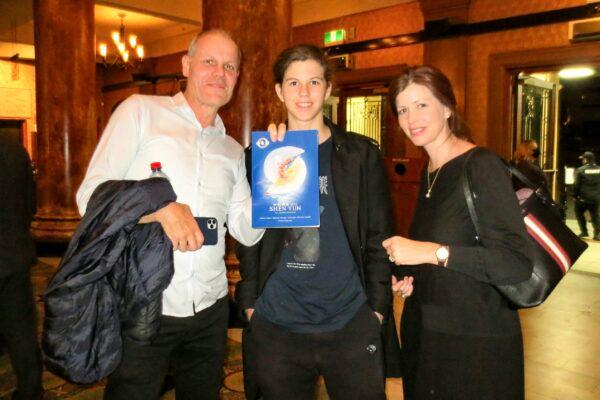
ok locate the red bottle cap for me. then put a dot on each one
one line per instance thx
(155, 165)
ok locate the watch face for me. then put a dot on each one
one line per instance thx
(442, 253)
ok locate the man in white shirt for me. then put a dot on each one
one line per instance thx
(206, 169)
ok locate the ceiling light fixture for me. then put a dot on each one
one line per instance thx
(129, 51)
(575, 72)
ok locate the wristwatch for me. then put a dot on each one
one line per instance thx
(442, 253)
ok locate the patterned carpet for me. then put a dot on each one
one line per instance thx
(57, 388)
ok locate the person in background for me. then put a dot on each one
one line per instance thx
(316, 298)
(524, 159)
(461, 339)
(17, 256)
(206, 168)
(587, 194)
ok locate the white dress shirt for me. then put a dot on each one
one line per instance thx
(207, 171)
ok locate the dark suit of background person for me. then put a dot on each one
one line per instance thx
(17, 255)
(362, 196)
(587, 193)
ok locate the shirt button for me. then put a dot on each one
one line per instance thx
(371, 349)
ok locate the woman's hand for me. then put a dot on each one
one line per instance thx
(277, 133)
(403, 251)
(403, 287)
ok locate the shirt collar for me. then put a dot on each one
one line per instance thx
(182, 105)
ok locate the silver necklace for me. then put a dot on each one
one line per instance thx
(430, 186)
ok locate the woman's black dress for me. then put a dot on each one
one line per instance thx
(460, 338)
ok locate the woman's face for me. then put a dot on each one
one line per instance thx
(422, 117)
(304, 90)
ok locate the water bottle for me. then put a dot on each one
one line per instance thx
(156, 168)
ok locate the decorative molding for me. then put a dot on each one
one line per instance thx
(456, 11)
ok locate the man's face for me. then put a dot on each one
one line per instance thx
(304, 90)
(212, 71)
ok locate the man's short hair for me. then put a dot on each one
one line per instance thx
(192, 47)
(589, 156)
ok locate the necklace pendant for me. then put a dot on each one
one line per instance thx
(430, 185)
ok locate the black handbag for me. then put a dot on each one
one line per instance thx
(556, 247)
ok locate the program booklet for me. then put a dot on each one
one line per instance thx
(285, 180)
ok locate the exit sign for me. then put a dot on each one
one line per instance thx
(335, 36)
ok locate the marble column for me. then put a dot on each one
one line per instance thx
(262, 29)
(66, 111)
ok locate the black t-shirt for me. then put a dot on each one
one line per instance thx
(316, 287)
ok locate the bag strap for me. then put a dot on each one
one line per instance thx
(520, 176)
(537, 188)
(469, 197)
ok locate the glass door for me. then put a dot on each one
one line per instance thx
(364, 116)
(536, 111)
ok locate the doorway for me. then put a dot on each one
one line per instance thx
(364, 112)
(535, 118)
(504, 69)
(360, 99)
(360, 104)
(561, 113)
(563, 116)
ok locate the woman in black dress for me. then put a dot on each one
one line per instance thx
(461, 339)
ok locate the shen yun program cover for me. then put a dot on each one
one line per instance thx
(285, 180)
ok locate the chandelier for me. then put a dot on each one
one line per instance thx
(129, 51)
